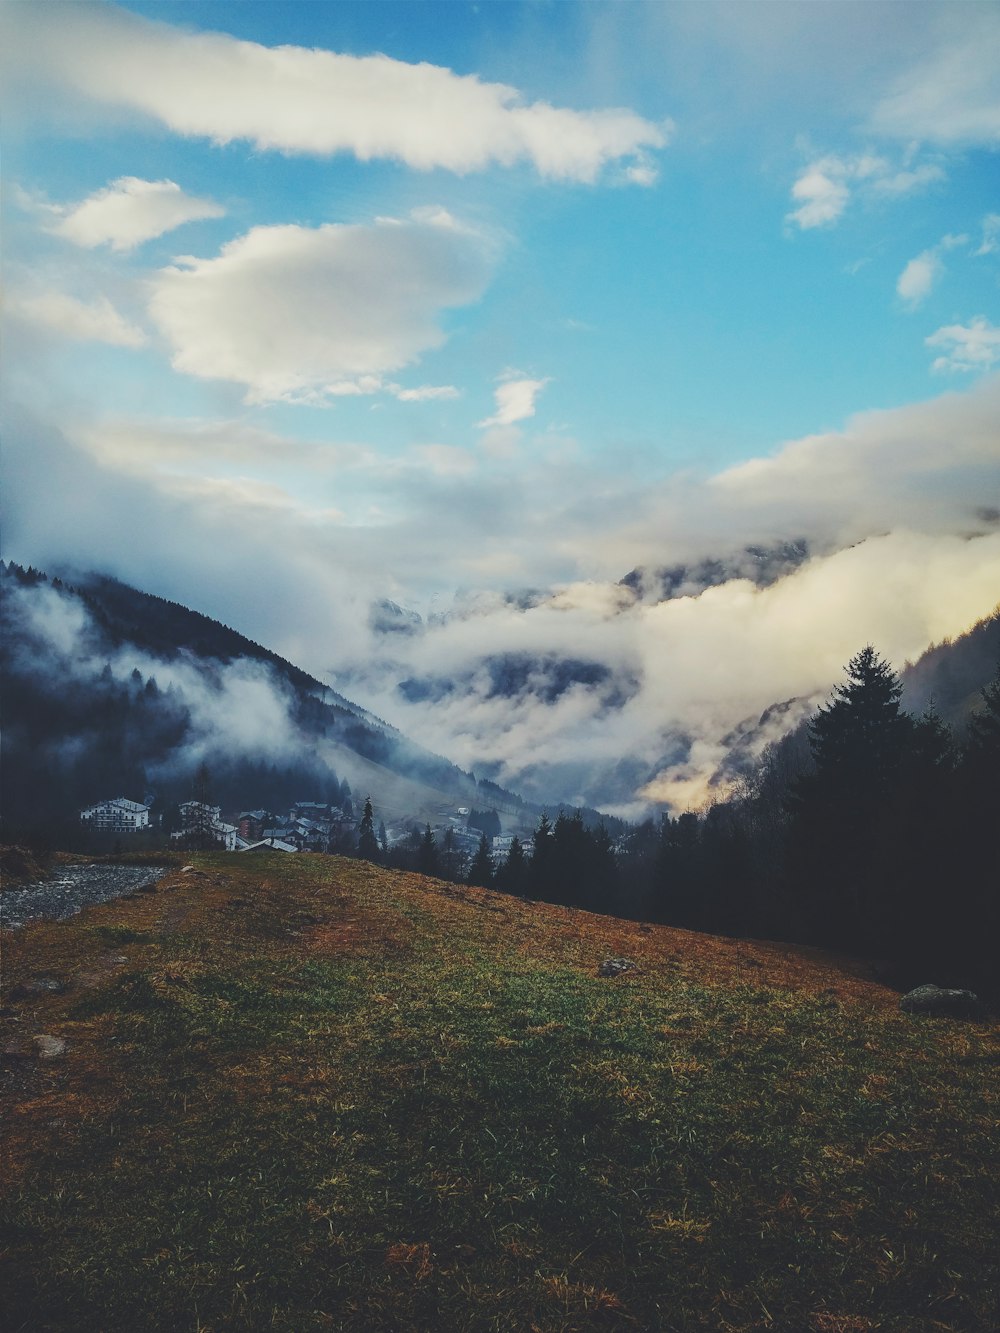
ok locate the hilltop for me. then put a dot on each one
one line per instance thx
(308, 1093)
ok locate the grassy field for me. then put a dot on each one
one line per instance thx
(302, 1093)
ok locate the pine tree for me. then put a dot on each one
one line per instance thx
(481, 870)
(842, 855)
(512, 876)
(368, 848)
(427, 857)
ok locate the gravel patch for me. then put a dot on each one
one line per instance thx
(63, 893)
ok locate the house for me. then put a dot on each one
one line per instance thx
(268, 845)
(116, 816)
(205, 822)
(251, 824)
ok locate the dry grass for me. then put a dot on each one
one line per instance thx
(305, 1093)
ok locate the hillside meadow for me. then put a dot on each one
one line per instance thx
(305, 1093)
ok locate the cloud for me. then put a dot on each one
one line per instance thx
(515, 400)
(917, 279)
(952, 96)
(294, 312)
(823, 189)
(991, 235)
(971, 347)
(130, 211)
(888, 504)
(820, 193)
(296, 100)
(904, 182)
(86, 321)
(921, 275)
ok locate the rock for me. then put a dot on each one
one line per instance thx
(38, 986)
(614, 967)
(49, 1048)
(939, 1003)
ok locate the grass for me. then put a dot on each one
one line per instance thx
(318, 1095)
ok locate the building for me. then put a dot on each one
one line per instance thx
(116, 816)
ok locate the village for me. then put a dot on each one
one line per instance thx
(307, 826)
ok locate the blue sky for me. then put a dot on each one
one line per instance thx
(537, 296)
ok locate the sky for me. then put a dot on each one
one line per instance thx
(475, 308)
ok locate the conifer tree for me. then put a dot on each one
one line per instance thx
(427, 856)
(368, 848)
(512, 876)
(481, 870)
(842, 845)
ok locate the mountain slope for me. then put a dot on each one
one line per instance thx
(305, 1093)
(111, 690)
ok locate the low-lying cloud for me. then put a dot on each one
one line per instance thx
(615, 697)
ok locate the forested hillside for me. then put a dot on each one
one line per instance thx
(111, 691)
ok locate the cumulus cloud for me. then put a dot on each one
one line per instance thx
(130, 211)
(823, 189)
(290, 311)
(952, 96)
(969, 347)
(821, 194)
(515, 400)
(69, 317)
(295, 100)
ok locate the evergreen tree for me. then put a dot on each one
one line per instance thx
(512, 876)
(842, 856)
(427, 856)
(368, 848)
(541, 857)
(481, 870)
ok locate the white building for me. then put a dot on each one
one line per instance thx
(116, 816)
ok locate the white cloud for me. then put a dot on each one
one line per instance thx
(821, 194)
(130, 211)
(952, 96)
(304, 313)
(424, 393)
(970, 347)
(889, 505)
(515, 400)
(991, 235)
(823, 190)
(908, 182)
(87, 321)
(917, 279)
(295, 100)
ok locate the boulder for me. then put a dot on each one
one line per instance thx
(38, 986)
(941, 1003)
(614, 967)
(49, 1048)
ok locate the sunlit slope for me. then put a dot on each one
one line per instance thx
(305, 1093)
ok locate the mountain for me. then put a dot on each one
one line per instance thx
(761, 565)
(109, 690)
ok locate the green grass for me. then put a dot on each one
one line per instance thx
(457, 1125)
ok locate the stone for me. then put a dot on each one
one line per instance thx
(38, 986)
(614, 967)
(49, 1048)
(942, 1003)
